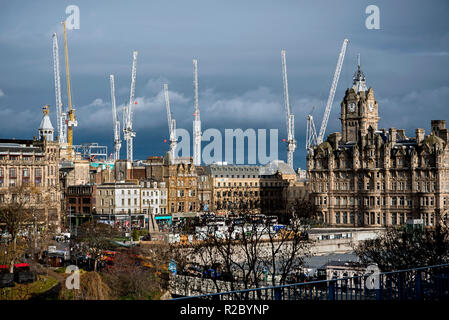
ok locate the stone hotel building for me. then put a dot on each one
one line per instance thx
(366, 176)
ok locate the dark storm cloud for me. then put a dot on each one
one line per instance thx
(238, 46)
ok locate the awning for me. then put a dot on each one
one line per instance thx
(162, 217)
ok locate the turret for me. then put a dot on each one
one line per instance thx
(46, 130)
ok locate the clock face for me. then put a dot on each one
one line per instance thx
(352, 107)
(371, 106)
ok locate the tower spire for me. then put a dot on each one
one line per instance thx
(359, 80)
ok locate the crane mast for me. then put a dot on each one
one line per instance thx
(60, 115)
(116, 123)
(71, 112)
(128, 132)
(311, 138)
(291, 142)
(197, 120)
(171, 125)
(330, 100)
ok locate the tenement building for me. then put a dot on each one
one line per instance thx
(365, 176)
(268, 189)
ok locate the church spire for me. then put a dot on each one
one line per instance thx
(359, 81)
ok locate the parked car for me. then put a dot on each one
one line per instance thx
(22, 274)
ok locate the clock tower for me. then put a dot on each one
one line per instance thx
(359, 109)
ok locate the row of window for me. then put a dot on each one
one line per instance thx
(135, 192)
(377, 201)
(249, 184)
(422, 186)
(236, 176)
(13, 172)
(182, 207)
(85, 210)
(395, 163)
(111, 192)
(26, 198)
(379, 174)
(23, 158)
(73, 200)
(373, 218)
(237, 193)
(154, 210)
(180, 183)
(131, 201)
(25, 177)
(182, 193)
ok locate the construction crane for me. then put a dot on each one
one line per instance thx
(128, 132)
(311, 138)
(197, 120)
(60, 115)
(115, 122)
(311, 132)
(171, 126)
(291, 142)
(71, 122)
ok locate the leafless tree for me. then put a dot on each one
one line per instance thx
(132, 276)
(400, 249)
(304, 211)
(93, 238)
(18, 214)
(245, 254)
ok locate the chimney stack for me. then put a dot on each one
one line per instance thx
(392, 133)
(420, 133)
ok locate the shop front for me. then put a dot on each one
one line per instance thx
(164, 222)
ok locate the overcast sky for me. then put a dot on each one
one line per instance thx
(238, 46)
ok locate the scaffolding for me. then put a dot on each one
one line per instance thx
(92, 151)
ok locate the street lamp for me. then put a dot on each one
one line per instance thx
(130, 229)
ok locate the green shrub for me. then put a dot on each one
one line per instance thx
(60, 270)
(136, 234)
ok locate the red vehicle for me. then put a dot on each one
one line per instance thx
(109, 256)
(4, 268)
(22, 274)
(17, 267)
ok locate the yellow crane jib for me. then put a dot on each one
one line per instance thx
(71, 122)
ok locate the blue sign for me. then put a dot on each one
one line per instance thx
(278, 227)
(206, 207)
(172, 266)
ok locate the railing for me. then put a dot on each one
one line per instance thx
(424, 283)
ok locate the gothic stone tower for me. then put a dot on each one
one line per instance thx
(359, 109)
